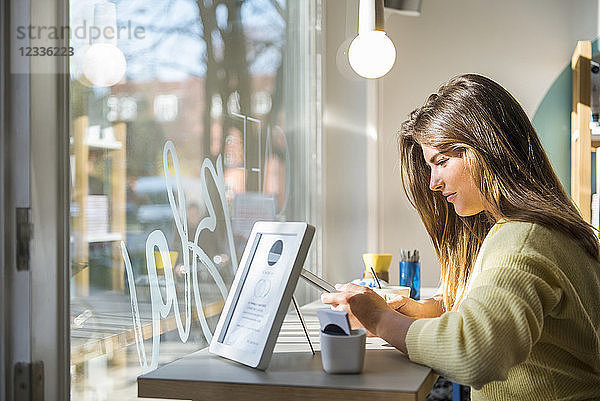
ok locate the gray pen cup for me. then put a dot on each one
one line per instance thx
(343, 354)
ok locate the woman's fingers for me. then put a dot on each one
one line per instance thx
(343, 308)
(355, 288)
(398, 301)
(363, 305)
(346, 291)
(334, 298)
(407, 306)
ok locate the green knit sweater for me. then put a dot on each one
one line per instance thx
(529, 325)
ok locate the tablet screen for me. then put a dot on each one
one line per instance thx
(262, 284)
(261, 292)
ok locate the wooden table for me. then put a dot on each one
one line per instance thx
(293, 374)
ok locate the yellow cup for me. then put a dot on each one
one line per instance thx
(378, 261)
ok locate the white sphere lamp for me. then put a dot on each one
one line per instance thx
(104, 63)
(371, 54)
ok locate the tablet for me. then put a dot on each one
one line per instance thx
(261, 292)
(317, 281)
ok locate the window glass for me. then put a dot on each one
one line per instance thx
(190, 120)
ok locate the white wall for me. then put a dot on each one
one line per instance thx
(345, 127)
(523, 45)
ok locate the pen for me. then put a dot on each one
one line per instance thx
(409, 256)
(375, 275)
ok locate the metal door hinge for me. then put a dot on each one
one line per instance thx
(29, 381)
(24, 234)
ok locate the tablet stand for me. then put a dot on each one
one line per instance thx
(303, 323)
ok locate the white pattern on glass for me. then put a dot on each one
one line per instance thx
(157, 239)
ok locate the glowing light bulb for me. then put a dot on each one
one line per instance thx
(372, 54)
(104, 64)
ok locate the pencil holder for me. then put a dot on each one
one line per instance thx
(343, 354)
(410, 276)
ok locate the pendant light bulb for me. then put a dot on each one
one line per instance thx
(371, 54)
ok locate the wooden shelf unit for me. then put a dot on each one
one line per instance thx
(80, 150)
(582, 142)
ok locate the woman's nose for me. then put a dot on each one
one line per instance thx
(435, 183)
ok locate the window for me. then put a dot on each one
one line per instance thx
(190, 120)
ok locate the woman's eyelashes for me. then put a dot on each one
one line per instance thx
(441, 162)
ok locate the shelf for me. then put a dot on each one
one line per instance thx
(107, 145)
(584, 136)
(114, 145)
(106, 237)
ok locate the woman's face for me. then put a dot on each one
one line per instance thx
(450, 176)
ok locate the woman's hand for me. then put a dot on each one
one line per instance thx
(363, 305)
(372, 311)
(406, 306)
(417, 309)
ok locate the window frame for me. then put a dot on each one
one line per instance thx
(39, 302)
(34, 156)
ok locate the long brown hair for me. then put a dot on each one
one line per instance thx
(476, 118)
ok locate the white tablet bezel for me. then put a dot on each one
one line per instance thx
(303, 234)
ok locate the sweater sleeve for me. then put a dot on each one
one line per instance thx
(495, 326)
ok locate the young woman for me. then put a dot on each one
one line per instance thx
(519, 318)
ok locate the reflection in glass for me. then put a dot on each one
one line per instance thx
(210, 78)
